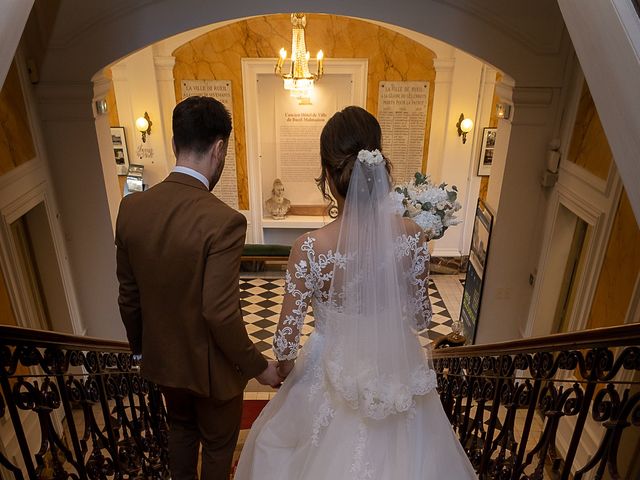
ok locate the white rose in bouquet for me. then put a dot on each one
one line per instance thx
(431, 207)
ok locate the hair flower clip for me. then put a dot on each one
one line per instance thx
(370, 157)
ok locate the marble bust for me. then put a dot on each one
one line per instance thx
(277, 204)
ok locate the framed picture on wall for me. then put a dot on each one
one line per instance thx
(120, 153)
(486, 152)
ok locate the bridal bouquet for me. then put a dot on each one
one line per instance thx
(431, 207)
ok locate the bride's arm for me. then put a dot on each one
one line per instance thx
(298, 290)
(421, 281)
(284, 368)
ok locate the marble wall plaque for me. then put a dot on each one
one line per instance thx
(402, 113)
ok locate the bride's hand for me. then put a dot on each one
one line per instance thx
(270, 375)
(284, 368)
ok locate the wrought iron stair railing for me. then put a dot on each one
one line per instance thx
(580, 388)
(78, 409)
(95, 417)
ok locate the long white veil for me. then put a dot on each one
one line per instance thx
(374, 360)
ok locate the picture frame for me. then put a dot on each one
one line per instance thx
(486, 152)
(134, 182)
(120, 151)
(476, 271)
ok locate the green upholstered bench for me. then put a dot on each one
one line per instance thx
(264, 253)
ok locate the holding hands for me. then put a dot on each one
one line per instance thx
(284, 368)
(273, 375)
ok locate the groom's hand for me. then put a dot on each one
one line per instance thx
(270, 375)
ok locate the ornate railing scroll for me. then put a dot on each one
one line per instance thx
(530, 409)
(78, 409)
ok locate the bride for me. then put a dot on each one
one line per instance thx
(360, 402)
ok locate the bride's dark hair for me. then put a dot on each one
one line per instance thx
(345, 134)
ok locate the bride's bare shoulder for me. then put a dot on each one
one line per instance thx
(320, 240)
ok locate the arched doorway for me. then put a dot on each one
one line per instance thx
(530, 48)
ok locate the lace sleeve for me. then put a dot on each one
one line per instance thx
(420, 278)
(299, 286)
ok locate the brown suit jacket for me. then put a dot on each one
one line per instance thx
(178, 262)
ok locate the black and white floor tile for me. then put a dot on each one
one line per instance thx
(261, 301)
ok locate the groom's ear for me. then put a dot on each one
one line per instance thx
(218, 149)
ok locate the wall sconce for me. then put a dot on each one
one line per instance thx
(464, 126)
(143, 124)
(503, 110)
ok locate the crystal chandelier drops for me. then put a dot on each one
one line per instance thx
(299, 80)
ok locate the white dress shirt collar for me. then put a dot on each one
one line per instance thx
(192, 173)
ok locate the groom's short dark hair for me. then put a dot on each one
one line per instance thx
(198, 122)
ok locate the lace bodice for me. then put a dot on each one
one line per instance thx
(308, 280)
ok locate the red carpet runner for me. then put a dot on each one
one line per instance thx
(250, 411)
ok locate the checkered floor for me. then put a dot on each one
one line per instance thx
(261, 301)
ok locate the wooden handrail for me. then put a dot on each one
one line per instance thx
(468, 392)
(622, 335)
(44, 338)
(606, 337)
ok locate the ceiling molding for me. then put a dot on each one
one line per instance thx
(546, 41)
(100, 13)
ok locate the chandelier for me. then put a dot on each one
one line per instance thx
(299, 80)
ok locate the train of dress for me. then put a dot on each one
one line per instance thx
(307, 432)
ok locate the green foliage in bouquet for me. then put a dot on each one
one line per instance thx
(431, 207)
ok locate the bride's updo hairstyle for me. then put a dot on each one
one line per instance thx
(345, 134)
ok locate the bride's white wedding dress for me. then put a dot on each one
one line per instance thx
(361, 401)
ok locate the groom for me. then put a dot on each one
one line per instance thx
(178, 259)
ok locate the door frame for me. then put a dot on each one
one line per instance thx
(251, 68)
(591, 199)
(32, 181)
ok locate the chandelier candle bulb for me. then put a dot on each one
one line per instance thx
(320, 58)
(299, 81)
(281, 59)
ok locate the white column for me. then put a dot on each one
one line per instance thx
(119, 77)
(485, 102)
(439, 115)
(69, 130)
(101, 85)
(167, 98)
(15, 14)
(457, 156)
(136, 90)
(504, 91)
(606, 36)
(515, 240)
